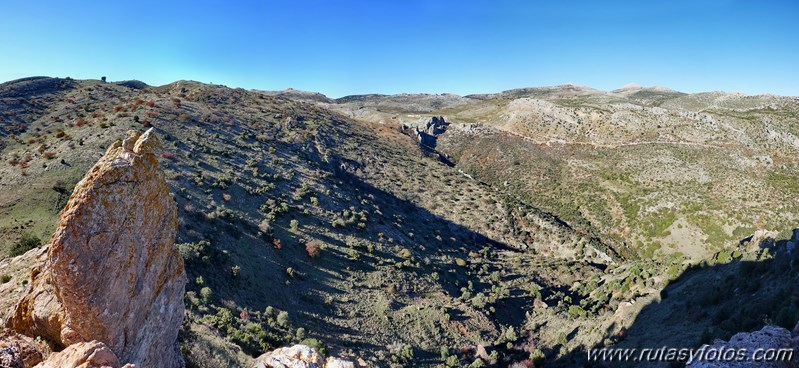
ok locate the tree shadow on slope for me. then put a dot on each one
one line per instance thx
(708, 302)
(410, 257)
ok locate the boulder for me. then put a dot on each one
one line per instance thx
(92, 354)
(299, 356)
(334, 362)
(769, 337)
(10, 356)
(19, 350)
(111, 272)
(763, 238)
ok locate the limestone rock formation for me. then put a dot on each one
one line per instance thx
(111, 272)
(426, 130)
(769, 337)
(333, 362)
(92, 354)
(299, 356)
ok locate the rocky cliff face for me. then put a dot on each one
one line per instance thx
(111, 272)
(753, 346)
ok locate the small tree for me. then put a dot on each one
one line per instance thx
(283, 318)
(206, 294)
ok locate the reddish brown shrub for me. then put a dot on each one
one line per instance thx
(313, 249)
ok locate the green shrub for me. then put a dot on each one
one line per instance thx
(193, 253)
(577, 311)
(5, 278)
(25, 243)
(283, 318)
(206, 294)
(316, 344)
(401, 353)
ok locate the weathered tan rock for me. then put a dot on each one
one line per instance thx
(299, 356)
(111, 272)
(19, 268)
(93, 354)
(334, 362)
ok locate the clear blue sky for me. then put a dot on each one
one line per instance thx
(373, 46)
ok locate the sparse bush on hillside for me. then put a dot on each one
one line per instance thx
(313, 249)
(206, 294)
(316, 344)
(283, 318)
(27, 242)
(193, 253)
(401, 353)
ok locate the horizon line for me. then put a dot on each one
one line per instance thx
(630, 85)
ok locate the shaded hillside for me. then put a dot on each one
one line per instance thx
(712, 301)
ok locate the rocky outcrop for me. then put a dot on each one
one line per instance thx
(749, 343)
(92, 354)
(19, 351)
(300, 356)
(333, 362)
(111, 272)
(10, 357)
(19, 270)
(761, 239)
(426, 131)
